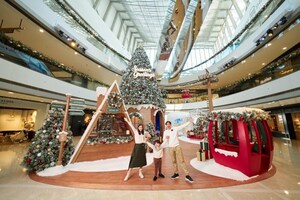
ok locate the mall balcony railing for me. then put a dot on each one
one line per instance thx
(22, 55)
(283, 66)
(81, 26)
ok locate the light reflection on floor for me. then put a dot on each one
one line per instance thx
(285, 184)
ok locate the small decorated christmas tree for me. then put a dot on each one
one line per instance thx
(44, 149)
(200, 128)
(150, 129)
(139, 85)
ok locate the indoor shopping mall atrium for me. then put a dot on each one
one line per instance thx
(150, 99)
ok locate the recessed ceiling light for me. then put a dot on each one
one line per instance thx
(98, 66)
(62, 64)
(243, 61)
(269, 44)
(75, 53)
(263, 64)
(41, 30)
(284, 48)
(10, 93)
(266, 16)
(249, 74)
(117, 75)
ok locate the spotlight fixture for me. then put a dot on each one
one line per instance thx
(262, 38)
(282, 21)
(229, 64)
(257, 43)
(69, 39)
(275, 26)
(61, 33)
(270, 32)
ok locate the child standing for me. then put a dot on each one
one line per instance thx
(157, 157)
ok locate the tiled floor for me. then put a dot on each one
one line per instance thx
(285, 184)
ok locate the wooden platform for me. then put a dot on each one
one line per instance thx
(114, 180)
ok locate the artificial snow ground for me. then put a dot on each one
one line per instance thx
(121, 163)
(105, 165)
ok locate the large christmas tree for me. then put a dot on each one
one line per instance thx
(139, 85)
(44, 149)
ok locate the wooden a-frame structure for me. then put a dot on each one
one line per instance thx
(102, 108)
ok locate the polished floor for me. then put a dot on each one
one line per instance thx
(285, 184)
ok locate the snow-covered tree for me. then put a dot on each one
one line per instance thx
(139, 85)
(44, 149)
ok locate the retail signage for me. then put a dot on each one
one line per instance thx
(53, 105)
(76, 107)
(76, 113)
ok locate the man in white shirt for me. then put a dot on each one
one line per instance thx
(175, 149)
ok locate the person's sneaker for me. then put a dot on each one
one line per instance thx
(189, 179)
(154, 178)
(161, 175)
(175, 176)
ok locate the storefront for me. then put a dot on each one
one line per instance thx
(285, 122)
(19, 119)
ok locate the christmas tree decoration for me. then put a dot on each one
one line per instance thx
(44, 149)
(139, 87)
(150, 129)
(140, 91)
(200, 128)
